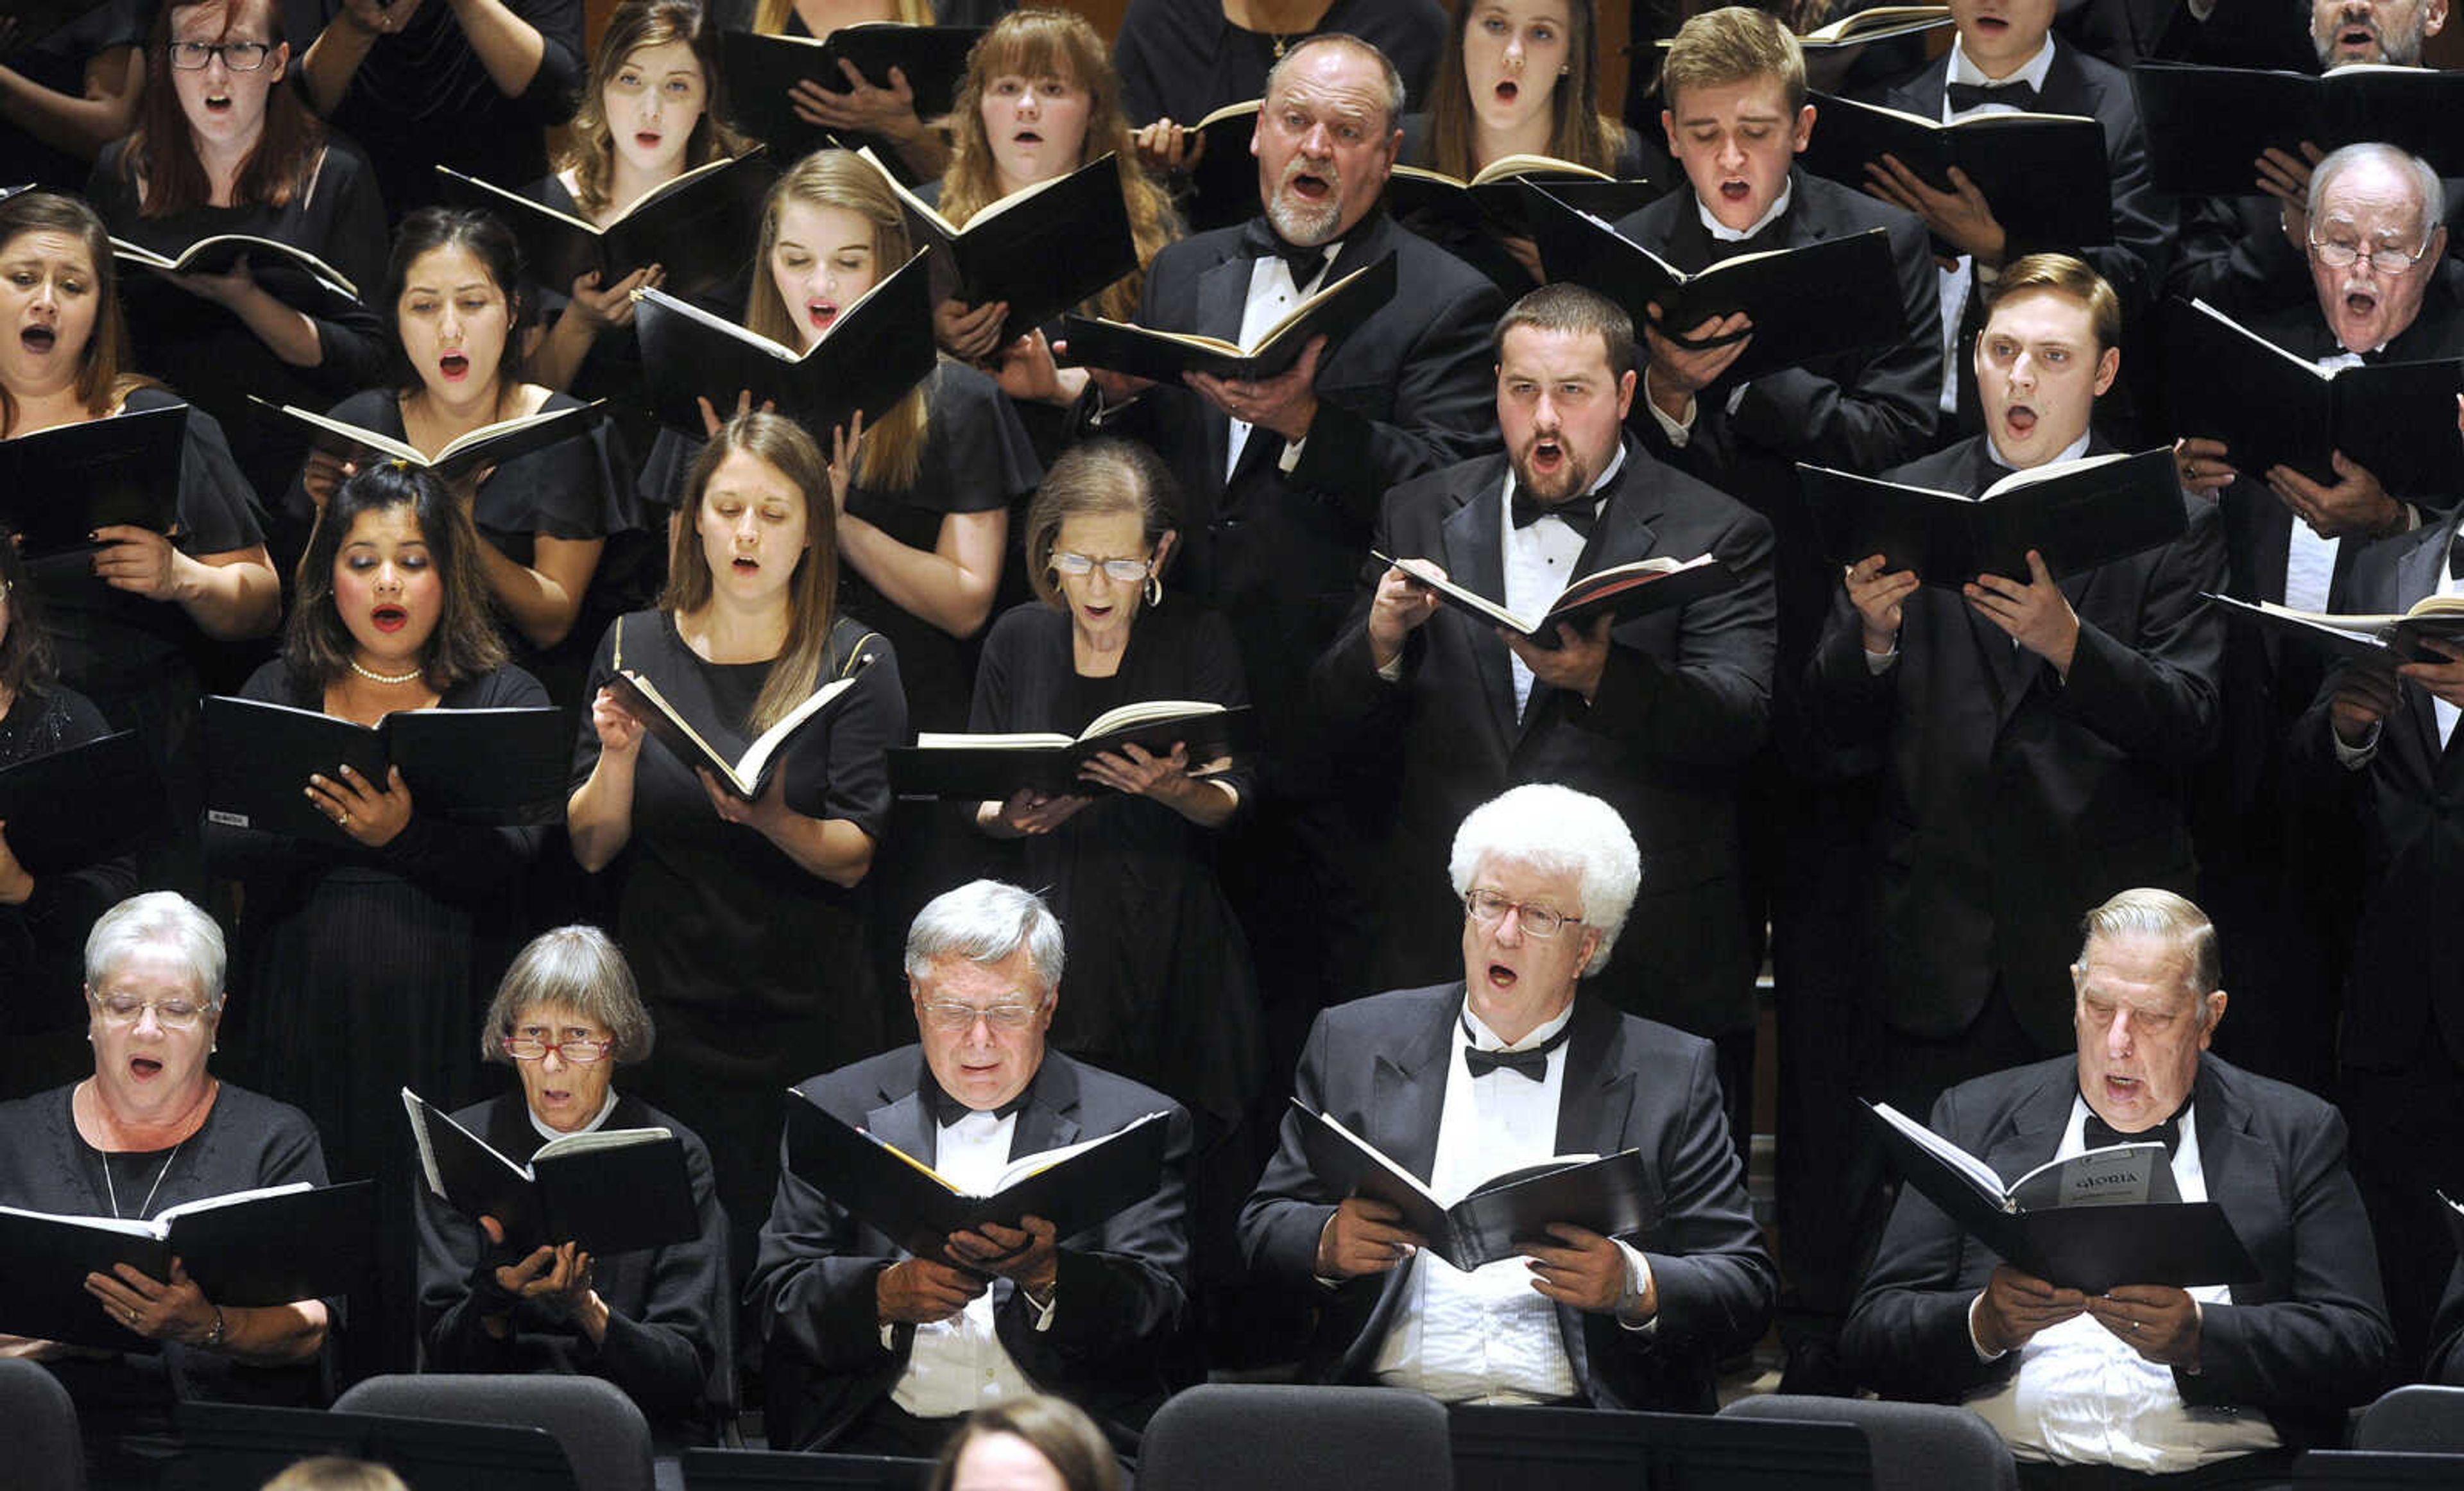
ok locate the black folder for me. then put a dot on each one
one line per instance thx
(273, 1248)
(1223, 183)
(1045, 249)
(463, 766)
(990, 767)
(899, 1197)
(2207, 125)
(1835, 296)
(2375, 641)
(2044, 174)
(760, 70)
(611, 1191)
(241, 1446)
(1334, 312)
(489, 445)
(59, 485)
(87, 803)
(2079, 515)
(1416, 196)
(876, 351)
(1624, 592)
(2273, 409)
(284, 271)
(699, 229)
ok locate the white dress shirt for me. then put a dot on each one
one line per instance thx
(1955, 281)
(2083, 1396)
(600, 1116)
(1540, 561)
(959, 1364)
(1680, 430)
(1272, 295)
(1488, 1336)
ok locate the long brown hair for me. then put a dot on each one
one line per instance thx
(1578, 132)
(162, 154)
(590, 148)
(812, 597)
(770, 16)
(1038, 44)
(317, 644)
(893, 453)
(101, 381)
(26, 662)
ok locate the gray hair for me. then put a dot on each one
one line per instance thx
(1395, 94)
(158, 919)
(2148, 912)
(578, 967)
(2427, 189)
(1559, 831)
(986, 922)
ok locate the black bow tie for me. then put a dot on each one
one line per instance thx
(1967, 96)
(1260, 241)
(1532, 1063)
(2098, 1134)
(948, 1110)
(1581, 513)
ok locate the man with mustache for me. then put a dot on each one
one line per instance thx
(1280, 477)
(2144, 1384)
(1654, 715)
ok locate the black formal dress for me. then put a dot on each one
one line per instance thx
(357, 972)
(42, 943)
(124, 1402)
(1183, 59)
(59, 63)
(754, 969)
(1476, 241)
(198, 346)
(422, 98)
(671, 1314)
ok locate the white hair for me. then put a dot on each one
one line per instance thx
(2427, 189)
(1559, 831)
(986, 922)
(157, 919)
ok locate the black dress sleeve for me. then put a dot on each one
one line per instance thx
(47, 931)
(857, 733)
(217, 510)
(356, 346)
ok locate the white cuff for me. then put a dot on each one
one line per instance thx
(1291, 460)
(1637, 1283)
(1879, 663)
(1680, 430)
(1043, 1312)
(2352, 758)
(1973, 1339)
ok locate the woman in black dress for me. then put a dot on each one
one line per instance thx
(882, 117)
(745, 920)
(43, 917)
(658, 1322)
(363, 964)
(149, 1129)
(69, 93)
(453, 291)
(220, 147)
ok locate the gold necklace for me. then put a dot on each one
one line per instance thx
(390, 679)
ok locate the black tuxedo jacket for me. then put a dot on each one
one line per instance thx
(2402, 986)
(1685, 701)
(2309, 1340)
(1410, 391)
(1378, 1066)
(1118, 1302)
(1856, 410)
(2014, 800)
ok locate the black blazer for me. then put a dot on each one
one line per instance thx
(2013, 800)
(1378, 1066)
(1856, 410)
(2404, 986)
(2309, 1340)
(1411, 390)
(1685, 701)
(1118, 1299)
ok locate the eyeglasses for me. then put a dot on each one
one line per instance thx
(1488, 908)
(954, 1016)
(1125, 571)
(580, 1051)
(2386, 262)
(173, 1014)
(240, 57)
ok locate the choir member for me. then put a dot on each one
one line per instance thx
(745, 920)
(222, 146)
(879, 112)
(69, 93)
(655, 1321)
(1183, 59)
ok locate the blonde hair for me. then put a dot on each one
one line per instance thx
(893, 451)
(336, 1473)
(1058, 44)
(1732, 44)
(2147, 911)
(2062, 275)
(590, 147)
(770, 16)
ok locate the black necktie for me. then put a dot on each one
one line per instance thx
(1532, 1063)
(1967, 96)
(1579, 513)
(2098, 1134)
(1260, 241)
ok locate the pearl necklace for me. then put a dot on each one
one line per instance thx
(412, 676)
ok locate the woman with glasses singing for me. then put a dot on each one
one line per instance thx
(222, 146)
(655, 1322)
(152, 1129)
(1160, 984)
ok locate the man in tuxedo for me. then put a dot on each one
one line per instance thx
(1280, 476)
(872, 1350)
(2142, 1379)
(1654, 713)
(1464, 1081)
(2245, 256)
(2034, 731)
(2007, 61)
(2381, 738)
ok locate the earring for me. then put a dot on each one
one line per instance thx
(1567, 70)
(1155, 590)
